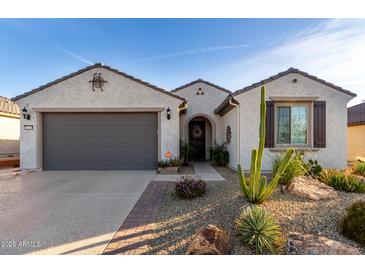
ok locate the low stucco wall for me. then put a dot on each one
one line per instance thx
(335, 153)
(75, 94)
(355, 142)
(9, 135)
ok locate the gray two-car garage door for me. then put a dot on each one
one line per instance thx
(100, 141)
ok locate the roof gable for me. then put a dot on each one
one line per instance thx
(201, 81)
(8, 107)
(293, 70)
(356, 114)
(97, 65)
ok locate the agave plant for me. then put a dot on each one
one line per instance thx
(258, 229)
(256, 189)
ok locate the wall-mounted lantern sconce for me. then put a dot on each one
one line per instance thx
(25, 113)
(168, 112)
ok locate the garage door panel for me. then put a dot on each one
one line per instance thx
(99, 141)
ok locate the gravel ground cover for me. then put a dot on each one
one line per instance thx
(179, 219)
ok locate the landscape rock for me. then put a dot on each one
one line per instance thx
(307, 187)
(210, 240)
(308, 244)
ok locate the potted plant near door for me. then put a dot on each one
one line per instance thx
(170, 166)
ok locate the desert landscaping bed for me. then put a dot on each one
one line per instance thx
(180, 219)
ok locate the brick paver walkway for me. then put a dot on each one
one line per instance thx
(137, 229)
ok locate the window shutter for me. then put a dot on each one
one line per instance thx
(270, 128)
(319, 126)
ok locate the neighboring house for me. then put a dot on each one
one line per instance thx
(9, 128)
(356, 132)
(131, 124)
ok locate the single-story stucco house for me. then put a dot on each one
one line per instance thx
(356, 132)
(9, 128)
(101, 118)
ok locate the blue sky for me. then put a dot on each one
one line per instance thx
(232, 53)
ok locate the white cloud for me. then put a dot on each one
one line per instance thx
(333, 50)
(190, 52)
(77, 57)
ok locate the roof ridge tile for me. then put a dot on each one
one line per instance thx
(96, 65)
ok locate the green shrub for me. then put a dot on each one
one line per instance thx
(169, 163)
(295, 167)
(186, 152)
(353, 225)
(359, 168)
(219, 155)
(340, 181)
(313, 168)
(189, 187)
(258, 229)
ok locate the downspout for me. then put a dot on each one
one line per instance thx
(238, 129)
(185, 106)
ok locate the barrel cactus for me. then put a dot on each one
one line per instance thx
(255, 188)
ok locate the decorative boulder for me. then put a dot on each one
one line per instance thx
(210, 240)
(307, 244)
(307, 187)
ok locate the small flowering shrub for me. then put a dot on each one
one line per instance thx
(189, 187)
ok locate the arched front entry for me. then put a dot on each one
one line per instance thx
(200, 133)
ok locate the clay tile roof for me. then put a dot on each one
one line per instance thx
(293, 70)
(201, 81)
(8, 107)
(224, 107)
(356, 114)
(96, 65)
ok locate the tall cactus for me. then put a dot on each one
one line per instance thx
(256, 189)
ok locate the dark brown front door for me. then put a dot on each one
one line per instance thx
(197, 139)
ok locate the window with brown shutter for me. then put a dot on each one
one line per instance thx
(319, 124)
(270, 124)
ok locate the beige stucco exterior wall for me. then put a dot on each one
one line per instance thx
(231, 119)
(335, 153)
(9, 135)
(202, 105)
(75, 94)
(355, 142)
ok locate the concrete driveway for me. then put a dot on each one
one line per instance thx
(66, 212)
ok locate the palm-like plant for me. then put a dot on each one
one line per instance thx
(186, 151)
(256, 189)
